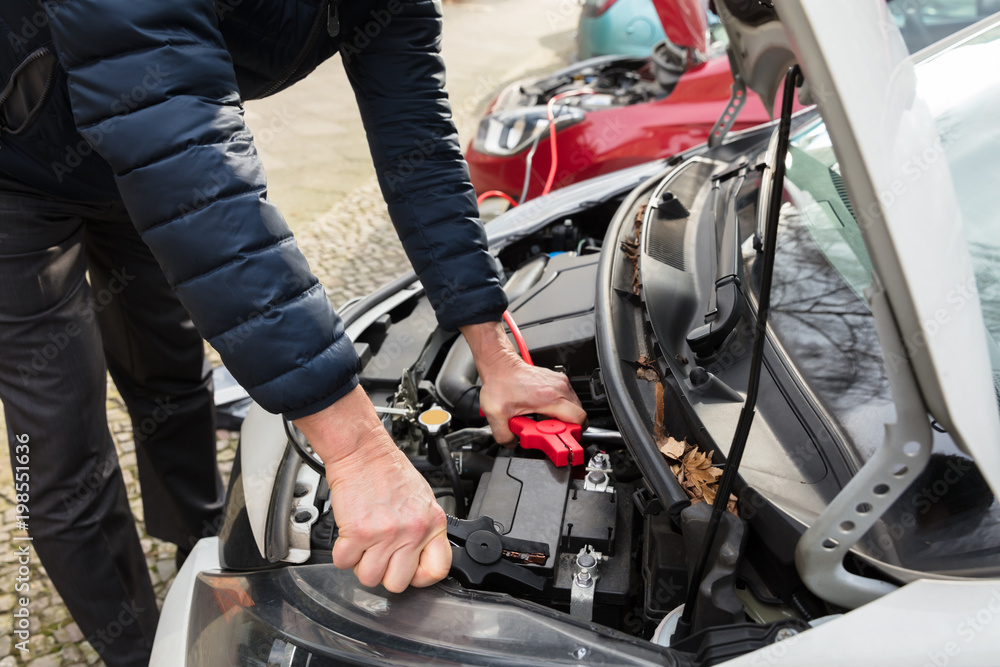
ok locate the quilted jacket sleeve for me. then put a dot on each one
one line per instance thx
(392, 56)
(154, 93)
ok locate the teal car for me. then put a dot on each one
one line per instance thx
(633, 27)
(618, 27)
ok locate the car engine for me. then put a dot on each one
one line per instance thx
(585, 550)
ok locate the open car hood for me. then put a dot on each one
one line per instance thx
(685, 22)
(858, 72)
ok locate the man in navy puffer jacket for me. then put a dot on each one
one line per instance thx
(123, 151)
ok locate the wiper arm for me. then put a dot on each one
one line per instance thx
(684, 625)
(725, 306)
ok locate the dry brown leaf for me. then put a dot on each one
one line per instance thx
(730, 506)
(658, 425)
(647, 369)
(637, 223)
(631, 249)
(671, 447)
(647, 374)
(696, 474)
(697, 460)
(703, 478)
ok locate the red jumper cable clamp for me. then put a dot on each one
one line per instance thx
(558, 440)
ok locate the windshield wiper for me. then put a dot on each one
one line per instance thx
(684, 625)
(725, 306)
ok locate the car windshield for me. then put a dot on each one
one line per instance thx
(924, 22)
(947, 521)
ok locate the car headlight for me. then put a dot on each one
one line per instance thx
(510, 132)
(317, 615)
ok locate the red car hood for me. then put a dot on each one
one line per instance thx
(685, 22)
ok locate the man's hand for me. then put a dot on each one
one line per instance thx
(511, 387)
(391, 528)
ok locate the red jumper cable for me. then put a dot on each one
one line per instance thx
(558, 440)
(553, 151)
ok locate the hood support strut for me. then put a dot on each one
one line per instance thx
(737, 98)
(819, 556)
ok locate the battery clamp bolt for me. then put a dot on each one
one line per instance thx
(596, 477)
(581, 602)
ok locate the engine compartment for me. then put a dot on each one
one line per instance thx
(583, 540)
(596, 565)
(582, 514)
(607, 82)
(603, 561)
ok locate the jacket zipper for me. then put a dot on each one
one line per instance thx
(328, 17)
(333, 18)
(34, 55)
(37, 54)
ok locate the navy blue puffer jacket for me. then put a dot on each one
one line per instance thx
(155, 88)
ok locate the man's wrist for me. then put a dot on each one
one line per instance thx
(491, 349)
(347, 428)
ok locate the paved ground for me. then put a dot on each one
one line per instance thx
(313, 147)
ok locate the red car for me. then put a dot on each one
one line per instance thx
(609, 112)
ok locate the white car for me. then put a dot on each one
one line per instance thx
(860, 435)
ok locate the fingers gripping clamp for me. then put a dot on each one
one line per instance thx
(557, 439)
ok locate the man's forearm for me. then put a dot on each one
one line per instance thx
(491, 349)
(347, 428)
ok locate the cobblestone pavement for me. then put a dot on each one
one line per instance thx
(353, 249)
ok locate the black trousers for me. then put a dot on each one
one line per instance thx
(58, 337)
